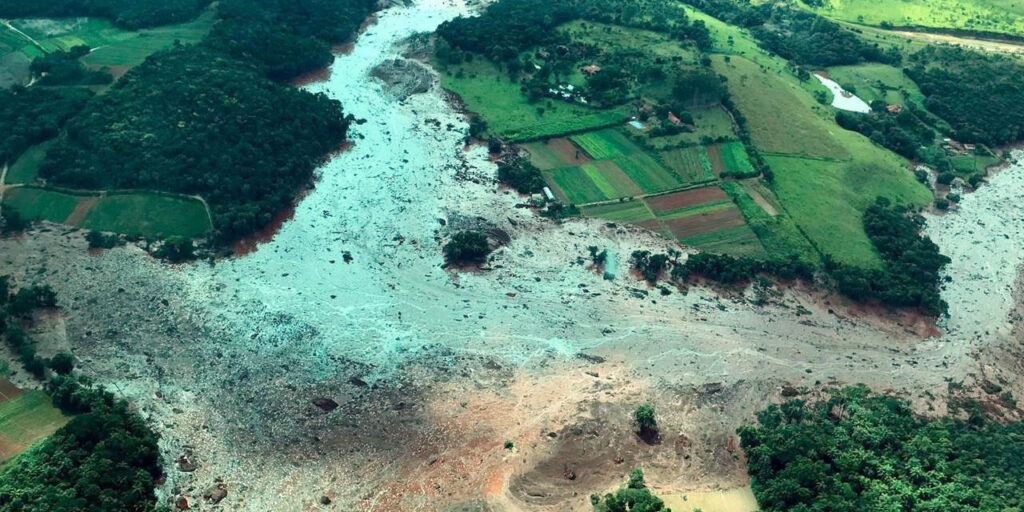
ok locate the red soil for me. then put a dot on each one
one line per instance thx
(686, 198)
(705, 222)
(569, 152)
(715, 156)
(320, 75)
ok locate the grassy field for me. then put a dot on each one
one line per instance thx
(604, 144)
(26, 168)
(710, 123)
(782, 118)
(778, 234)
(112, 47)
(26, 417)
(872, 81)
(614, 36)
(1005, 16)
(827, 199)
(691, 163)
(489, 93)
(144, 214)
(735, 159)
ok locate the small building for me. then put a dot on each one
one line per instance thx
(970, 147)
(674, 119)
(591, 70)
(547, 194)
(894, 109)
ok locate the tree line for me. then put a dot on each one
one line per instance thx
(128, 14)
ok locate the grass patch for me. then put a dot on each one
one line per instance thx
(489, 92)
(576, 185)
(778, 234)
(872, 81)
(780, 115)
(604, 144)
(737, 241)
(149, 215)
(626, 211)
(827, 199)
(648, 173)
(734, 156)
(25, 420)
(1005, 16)
(26, 168)
(39, 204)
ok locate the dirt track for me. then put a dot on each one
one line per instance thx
(383, 382)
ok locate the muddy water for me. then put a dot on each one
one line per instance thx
(984, 236)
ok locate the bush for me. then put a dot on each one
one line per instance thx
(644, 418)
(467, 248)
(945, 178)
(62, 363)
(942, 203)
(521, 175)
(953, 197)
(176, 250)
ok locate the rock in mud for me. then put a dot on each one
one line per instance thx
(216, 493)
(325, 404)
(403, 78)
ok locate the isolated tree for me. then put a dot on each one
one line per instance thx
(644, 418)
(467, 247)
(62, 363)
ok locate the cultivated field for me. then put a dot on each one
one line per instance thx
(26, 168)
(1006, 16)
(26, 417)
(143, 214)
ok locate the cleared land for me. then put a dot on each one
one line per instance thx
(26, 417)
(143, 214)
(487, 91)
(872, 81)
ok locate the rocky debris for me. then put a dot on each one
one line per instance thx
(181, 503)
(216, 493)
(185, 464)
(325, 500)
(325, 404)
(403, 78)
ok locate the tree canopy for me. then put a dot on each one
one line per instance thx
(858, 451)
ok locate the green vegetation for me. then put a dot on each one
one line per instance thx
(467, 248)
(26, 418)
(104, 459)
(778, 234)
(634, 497)
(130, 14)
(486, 91)
(859, 451)
(603, 145)
(31, 116)
(243, 143)
(644, 416)
(878, 82)
(625, 211)
(26, 168)
(996, 16)
(912, 262)
(145, 214)
(521, 175)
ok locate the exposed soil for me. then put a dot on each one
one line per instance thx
(705, 222)
(77, 215)
(715, 156)
(569, 152)
(686, 198)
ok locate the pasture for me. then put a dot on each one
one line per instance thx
(143, 214)
(692, 163)
(872, 81)
(487, 91)
(26, 417)
(1005, 16)
(710, 123)
(26, 168)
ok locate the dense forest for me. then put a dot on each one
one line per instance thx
(912, 262)
(287, 38)
(857, 452)
(193, 121)
(204, 119)
(508, 28)
(33, 115)
(129, 14)
(902, 133)
(979, 95)
(105, 459)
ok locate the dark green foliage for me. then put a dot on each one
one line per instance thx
(980, 95)
(903, 133)
(806, 38)
(18, 306)
(176, 250)
(942, 203)
(945, 178)
(510, 27)
(634, 497)
(650, 266)
(953, 197)
(130, 14)
(645, 422)
(287, 38)
(192, 121)
(99, 240)
(104, 460)
(65, 68)
(861, 452)
(62, 363)
(911, 277)
(522, 176)
(33, 115)
(467, 248)
(31, 297)
(11, 221)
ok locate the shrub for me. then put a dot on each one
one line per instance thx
(467, 247)
(644, 418)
